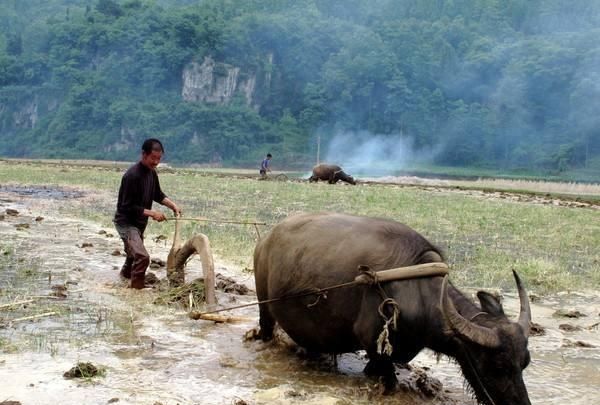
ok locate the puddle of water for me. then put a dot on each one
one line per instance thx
(156, 354)
(42, 192)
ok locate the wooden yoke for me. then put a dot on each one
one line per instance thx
(369, 276)
(178, 256)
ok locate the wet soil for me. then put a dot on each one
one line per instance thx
(68, 270)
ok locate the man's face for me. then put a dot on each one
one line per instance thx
(151, 160)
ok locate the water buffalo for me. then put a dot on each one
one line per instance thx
(319, 250)
(330, 173)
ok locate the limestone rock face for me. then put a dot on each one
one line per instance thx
(27, 115)
(127, 141)
(213, 82)
(23, 109)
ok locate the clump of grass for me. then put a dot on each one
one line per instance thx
(85, 370)
(545, 275)
(7, 346)
(187, 295)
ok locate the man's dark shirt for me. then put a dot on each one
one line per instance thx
(139, 187)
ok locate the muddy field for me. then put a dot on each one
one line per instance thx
(65, 271)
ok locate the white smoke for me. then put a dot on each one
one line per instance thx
(372, 154)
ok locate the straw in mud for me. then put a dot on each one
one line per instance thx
(185, 294)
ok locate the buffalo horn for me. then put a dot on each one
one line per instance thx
(525, 313)
(469, 330)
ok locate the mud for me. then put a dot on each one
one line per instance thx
(153, 353)
(83, 370)
(229, 285)
(54, 193)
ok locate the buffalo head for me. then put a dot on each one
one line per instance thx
(491, 350)
(341, 175)
(351, 180)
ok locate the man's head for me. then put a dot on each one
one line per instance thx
(269, 156)
(152, 151)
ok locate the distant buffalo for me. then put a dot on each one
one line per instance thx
(330, 173)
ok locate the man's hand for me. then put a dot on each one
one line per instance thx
(168, 203)
(158, 216)
(176, 210)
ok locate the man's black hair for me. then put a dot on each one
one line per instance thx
(152, 144)
(269, 155)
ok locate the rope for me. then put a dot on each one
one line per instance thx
(220, 221)
(383, 342)
(474, 370)
(317, 291)
(367, 276)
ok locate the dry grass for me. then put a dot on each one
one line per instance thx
(582, 189)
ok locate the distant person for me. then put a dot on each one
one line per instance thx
(139, 188)
(265, 165)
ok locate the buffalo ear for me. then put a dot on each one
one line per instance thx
(490, 303)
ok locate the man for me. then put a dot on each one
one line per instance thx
(139, 187)
(264, 166)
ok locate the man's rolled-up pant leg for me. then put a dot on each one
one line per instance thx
(126, 268)
(141, 258)
(123, 233)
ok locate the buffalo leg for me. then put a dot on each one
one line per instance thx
(266, 322)
(382, 366)
(331, 179)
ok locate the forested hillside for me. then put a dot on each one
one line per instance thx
(506, 84)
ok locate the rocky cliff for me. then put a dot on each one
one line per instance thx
(214, 82)
(21, 108)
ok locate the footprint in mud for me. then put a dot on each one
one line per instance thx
(567, 327)
(535, 329)
(59, 291)
(572, 313)
(578, 344)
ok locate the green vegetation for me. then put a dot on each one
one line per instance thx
(554, 248)
(508, 86)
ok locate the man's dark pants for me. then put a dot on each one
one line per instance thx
(138, 259)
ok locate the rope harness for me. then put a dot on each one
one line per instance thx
(383, 342)
(371, 277)
(366, 276)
